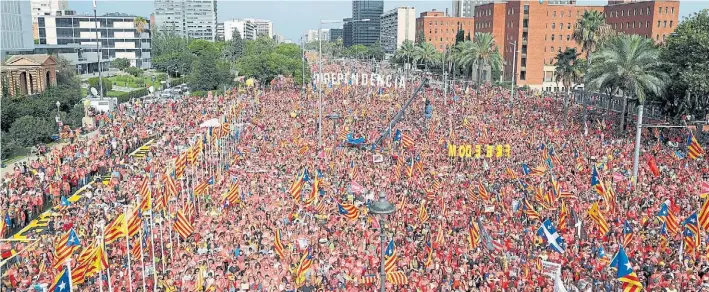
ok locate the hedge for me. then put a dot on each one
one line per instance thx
(127, 96)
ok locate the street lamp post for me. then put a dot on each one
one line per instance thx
(514, 64)
(302, 42)
(58, 119)
(382, 207)
(320, 74)
(98, 51)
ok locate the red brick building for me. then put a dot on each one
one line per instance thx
(440, 29)
(541, 30)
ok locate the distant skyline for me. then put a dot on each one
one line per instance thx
(293, 18)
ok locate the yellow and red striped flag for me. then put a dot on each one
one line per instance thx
(278, 245)
(397, 278)
(597, 217)
(473, 236)
(183, 226)
(232, 196)
(116, 229)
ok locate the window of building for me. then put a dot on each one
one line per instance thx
(657, 37)
(552, 49)
(672, 10)
(568, 37)
(568, 25)
(658, 23)
(670, 23)
(615, 26)
(635, 11)
(659, 10)
(663, 37)
(552, 38)
(641, 12)
(647, 23)
(526, 9)
(553, 25)
(553, 14)
(622, 13)
(523, 75)
(666, 10)
(664, 23)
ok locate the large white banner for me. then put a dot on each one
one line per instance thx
(360, 79)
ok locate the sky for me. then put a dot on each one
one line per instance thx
(293, 18)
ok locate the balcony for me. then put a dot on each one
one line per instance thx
(525, 16)
(525, 29)
(524, 41)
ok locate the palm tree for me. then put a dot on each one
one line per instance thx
(488, 55)
(407, 52)
(140, 23)
(468, 56)
(631, 64)
(425, 53)
(567, 72)
(591, 30)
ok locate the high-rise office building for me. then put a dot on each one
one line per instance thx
(366, 32)
(118, 35)
(263, 27)
(347, 32)
(398, 25)
(247, 29)
(279, 39)
(15, 27)
(541, 30)
(440, 30)
(466, 8)
(195, 19)
(335, 34)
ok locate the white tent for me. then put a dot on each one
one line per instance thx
(212, 123)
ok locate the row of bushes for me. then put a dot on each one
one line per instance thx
(126, 96)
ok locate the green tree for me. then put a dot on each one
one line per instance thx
(426, 53)
(685, 56)
(200, 48)
(28, 130)
(468, 56)
(235, 47)
(357, 51)
(107, 85)
(66, 73)
(9, 145)
(487, 52)
(140, 22)
(406, 53)
(629, 63)
(420, 38)
(120, 63)
(170, 54)
(591, 31)
(567, 71)
(134, 71)
(375, 51)
(209, 73)
(460, 36)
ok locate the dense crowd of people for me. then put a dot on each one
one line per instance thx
(273, 140)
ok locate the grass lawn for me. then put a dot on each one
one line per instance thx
(130, 81)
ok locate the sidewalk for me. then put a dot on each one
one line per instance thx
(8, 168)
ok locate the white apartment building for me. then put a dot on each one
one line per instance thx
(312, 35)
(47, 7)
(264, 27)
(398, 25)
(15, 26)
(247, 29)
(118, 35)
(195, 19)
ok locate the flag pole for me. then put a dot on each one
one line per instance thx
(108, 266)
(172, 254)
(125, 226)
(152, 248)
(140, 245)
(162, 240)
(68, 270)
